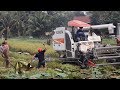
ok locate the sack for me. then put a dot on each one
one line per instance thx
(22, 66)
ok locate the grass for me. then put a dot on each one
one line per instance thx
(30, 46)
(110, 41)
(18, 45)
(54, 69)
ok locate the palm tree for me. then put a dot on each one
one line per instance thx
(7, 22)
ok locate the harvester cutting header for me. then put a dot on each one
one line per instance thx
(84, 46)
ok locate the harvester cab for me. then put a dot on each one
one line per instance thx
(68, 48)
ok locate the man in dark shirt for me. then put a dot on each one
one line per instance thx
(40, 56)
(80, 34)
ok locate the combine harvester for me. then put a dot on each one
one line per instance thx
(88, 51)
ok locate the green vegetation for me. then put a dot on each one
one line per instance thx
(36, 23)
(29, 46)
(109, 41)
(54, 69)
(33, 23)
(23, 24)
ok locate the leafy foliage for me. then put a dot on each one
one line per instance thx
(33, 23)
(54, 69)
(102, 17)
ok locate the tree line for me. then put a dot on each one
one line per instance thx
(32, 23)
(36, 23)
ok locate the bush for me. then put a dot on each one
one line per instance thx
(74, 75)
(54, 64)
(70, 68)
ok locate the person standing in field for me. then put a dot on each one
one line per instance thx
(40, 55)
(5, 53)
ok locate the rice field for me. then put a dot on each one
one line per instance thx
(54, 69)
(30, 46)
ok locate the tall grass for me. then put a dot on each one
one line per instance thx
(53, 68)
(111, 41)
(30, 46)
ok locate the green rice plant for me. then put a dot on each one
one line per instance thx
(109, 68)
(56, 74)
(103, 72)
(52, 72)
(74, 75)
(32, 72)
(36, 76)
(54, 69)
(34, 63)
(109, 41)
(70, 68)
(54, 64)
(6, 71)
(25, 46)
(96, 74)
(117, 72)
(13, 76)
(40, 74)
(22, 56)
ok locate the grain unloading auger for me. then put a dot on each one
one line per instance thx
(88, 51)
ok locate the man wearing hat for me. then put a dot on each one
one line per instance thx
(80, 34)
(40, 56)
